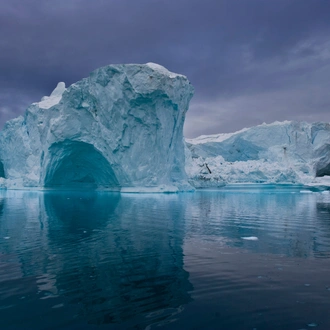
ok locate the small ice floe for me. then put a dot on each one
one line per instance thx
(250, 238)
(58, 306)
(307, 284)
(6, 237)
(312, 324)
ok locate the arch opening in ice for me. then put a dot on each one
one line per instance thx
(78, 165)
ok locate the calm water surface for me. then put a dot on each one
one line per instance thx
(228, 259)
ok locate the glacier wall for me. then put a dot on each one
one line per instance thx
(119, 129)
(282, 152)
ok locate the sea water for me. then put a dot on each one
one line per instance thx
(226, 259)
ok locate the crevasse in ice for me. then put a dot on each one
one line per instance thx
(118, 129)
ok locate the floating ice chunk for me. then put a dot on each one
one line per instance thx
(58, 306)
(7, 237)
(250, 238)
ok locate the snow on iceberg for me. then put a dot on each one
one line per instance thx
(119, 129)
(54, 98)
(282, 152)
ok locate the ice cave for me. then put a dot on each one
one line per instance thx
(75, 164)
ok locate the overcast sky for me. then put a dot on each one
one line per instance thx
(250, 61)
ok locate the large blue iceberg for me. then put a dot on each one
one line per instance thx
(119, 129)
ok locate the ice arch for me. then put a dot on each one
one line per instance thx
(2, 170)
(74, 164)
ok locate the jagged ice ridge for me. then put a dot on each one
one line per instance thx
(283, 152)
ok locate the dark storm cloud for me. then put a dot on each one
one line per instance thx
(250, 61)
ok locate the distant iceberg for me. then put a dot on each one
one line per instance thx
(283, 152)
(119, 129)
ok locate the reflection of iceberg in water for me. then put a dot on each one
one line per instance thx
(322, 244)
(69, 212)
(109, 258)
(286, 223)
(122, 270)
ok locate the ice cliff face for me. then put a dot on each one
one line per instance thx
(287, 152)
(118, 129)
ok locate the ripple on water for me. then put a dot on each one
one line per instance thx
(183, 261)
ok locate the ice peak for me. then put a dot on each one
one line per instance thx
(59, 90)
(54, 98)
(163, 70)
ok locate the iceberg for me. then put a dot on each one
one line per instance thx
(119, 129)
(279, 153)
